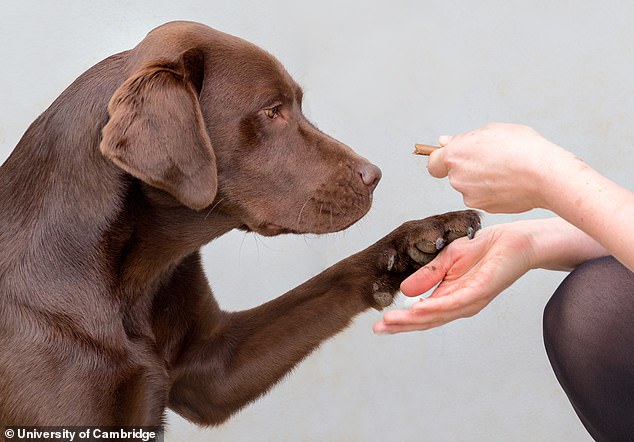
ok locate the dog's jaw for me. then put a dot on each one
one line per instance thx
(268, 229)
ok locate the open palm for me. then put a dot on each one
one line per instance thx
(470, 272)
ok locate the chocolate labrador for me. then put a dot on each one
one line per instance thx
(106, 316)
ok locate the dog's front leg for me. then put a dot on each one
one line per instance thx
(230, 364)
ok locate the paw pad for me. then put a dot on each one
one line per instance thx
(383, 299)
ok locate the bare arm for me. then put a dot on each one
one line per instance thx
(555, 244)
(506, 168)
(598, 206)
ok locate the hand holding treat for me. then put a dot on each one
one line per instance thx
(501, 168)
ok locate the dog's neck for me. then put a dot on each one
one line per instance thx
(156, 233)
(100, 213)
(58, 190)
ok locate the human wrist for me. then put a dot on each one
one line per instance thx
(555, 177)
(555, 244)
(528, 240)
(539, 241)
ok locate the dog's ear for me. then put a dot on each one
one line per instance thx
(157, 134)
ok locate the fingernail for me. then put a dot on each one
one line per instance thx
(444, 139)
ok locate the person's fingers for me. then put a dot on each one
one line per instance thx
(407, 320)
(436, 164)
(383, 329)
(460, 300)
(463, 303)
(398, 319)
(432, 312)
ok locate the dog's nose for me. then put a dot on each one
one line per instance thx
(370, 175)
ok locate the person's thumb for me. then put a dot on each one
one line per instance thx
(427, 276)
(436, 164)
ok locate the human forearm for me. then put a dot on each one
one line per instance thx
(594, 204)
(555, 244)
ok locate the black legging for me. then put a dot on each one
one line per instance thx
(589, 338)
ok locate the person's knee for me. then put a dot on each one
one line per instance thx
(587, 326)
(579, 305)
(589, 294)
(564, 310)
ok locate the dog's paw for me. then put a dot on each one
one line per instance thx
(421, 240)
(414, 244)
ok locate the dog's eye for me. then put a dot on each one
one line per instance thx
(272, 112)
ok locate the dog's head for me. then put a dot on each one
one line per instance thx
(213, 120)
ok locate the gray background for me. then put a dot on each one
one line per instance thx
(381, 76)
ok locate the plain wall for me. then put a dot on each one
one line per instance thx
(381, 76)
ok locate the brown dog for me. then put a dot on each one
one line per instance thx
(106, 317)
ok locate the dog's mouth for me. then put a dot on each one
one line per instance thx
(269, 229)
(320, 214)
(272, 229)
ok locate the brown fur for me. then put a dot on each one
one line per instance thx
(106, 317)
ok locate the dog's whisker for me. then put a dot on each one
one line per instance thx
(341, 209)
(241, 245)
(331, 223)
(299, 216)
(213, 207)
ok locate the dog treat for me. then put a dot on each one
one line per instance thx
(424, 149)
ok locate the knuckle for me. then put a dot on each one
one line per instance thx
(454, 182)
(475, 308)
(470, 201)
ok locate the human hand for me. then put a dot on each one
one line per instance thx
(471, 273)
(500, 168)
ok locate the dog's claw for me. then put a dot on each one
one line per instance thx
(440, 243)
(471, 233)
(390, 262)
